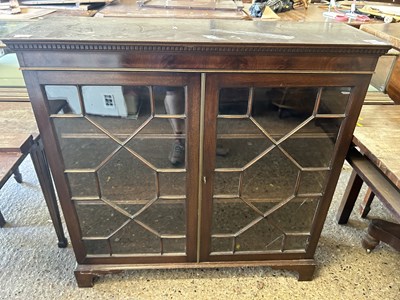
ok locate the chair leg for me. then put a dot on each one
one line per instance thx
(45, 180)
(17, 175)
(365, 206)
(349, 198)
(2, 220)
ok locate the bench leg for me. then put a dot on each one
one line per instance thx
(365, 206)
(45, 180)
(349, 198)
(17, 175)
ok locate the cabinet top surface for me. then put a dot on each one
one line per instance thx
(182, 31)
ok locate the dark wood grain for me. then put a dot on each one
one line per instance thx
(391, 33)
(203, 56)
(377, 134)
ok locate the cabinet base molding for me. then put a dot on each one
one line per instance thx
(86, 274)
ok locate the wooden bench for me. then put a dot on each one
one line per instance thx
(13, 94)
(19, 138)
(373, 98)
(375, 161)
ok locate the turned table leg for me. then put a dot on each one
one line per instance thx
(381, 230)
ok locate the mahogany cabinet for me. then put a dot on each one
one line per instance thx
(262, 112)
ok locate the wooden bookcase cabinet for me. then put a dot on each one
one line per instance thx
(265, 119)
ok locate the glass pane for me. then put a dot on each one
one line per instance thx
(125, 177)
(221, 244)
(165, 217)
(281, 110)
(296, 215)
(63, 99)
(233, 101)
(312, 182)
(226, 183)
(170, 100)
(382, 72)
(231, 215)
(264, 198)
(133, 238)
(124, 135)
(119, 110)
(82, 144)
(160, 145)
(172, 184)
(295, 242)
(239, 141)
(334, 100)
(96, 247)
(172, 245)
(83, 184)
(262, 236)
(272, 176)
(313, 145)
(98, 219)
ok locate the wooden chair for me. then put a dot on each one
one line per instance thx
(19, 138)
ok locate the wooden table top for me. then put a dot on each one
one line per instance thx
(388, 32)
(378, 136)
(16, 118)
(128, 8)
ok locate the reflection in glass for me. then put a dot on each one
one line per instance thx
(312, 182)
(165, 217)
(82, 144)
(230, 215)
(261, 236)
(296, 216)
(272, 176)
(233, 101)
(174, 245)
(121, 147)
(280, 145)
(83, 185)
(334, 100)
(94, 247)
(134, 238)
(281, 110)
(125, 177)
(98, 219)
(226, 183)
(172, 184)
(63, 99)
(313, 145)
(295, 242)
(221, 244)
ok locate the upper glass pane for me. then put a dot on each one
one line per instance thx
(63, 99)
(334, 100)
(82, 144)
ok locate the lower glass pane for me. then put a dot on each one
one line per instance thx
(94, 247)
(134, 238)
(97, 219)
(174, 245)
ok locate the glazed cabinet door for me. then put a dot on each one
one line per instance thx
(123, 148)
(270, 145)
